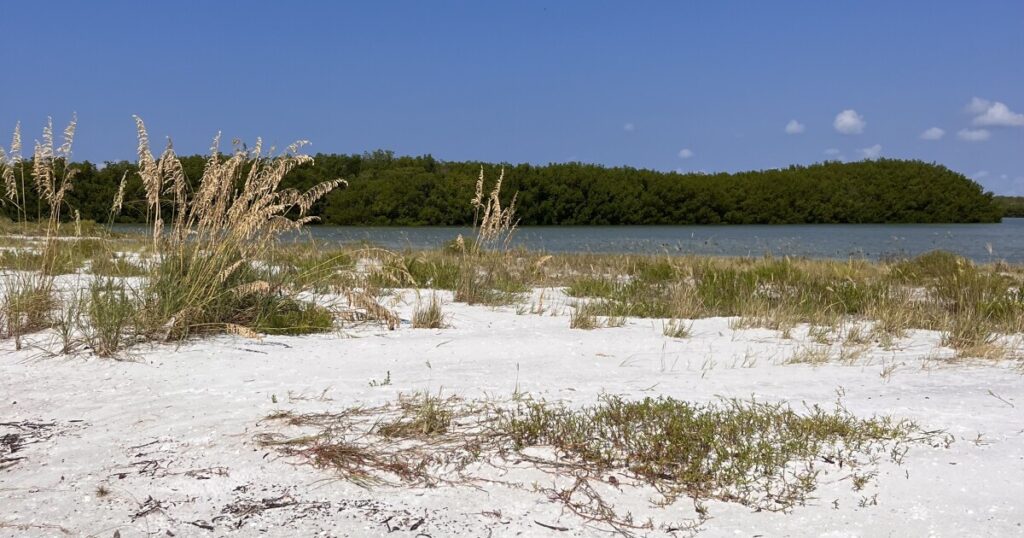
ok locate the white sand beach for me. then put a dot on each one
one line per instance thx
(169, 435)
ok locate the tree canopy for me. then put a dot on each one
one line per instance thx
(385, 189)
(1012, 206)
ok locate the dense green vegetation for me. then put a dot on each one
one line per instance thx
(1012, 206)
(389, 190)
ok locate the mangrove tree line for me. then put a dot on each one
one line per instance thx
(385, 189)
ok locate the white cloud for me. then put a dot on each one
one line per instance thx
(849, 122)
(933, 133)
(685, 153)
(980, 174)
(973, 135)
(978, 105)
(872, 152)
(794, 127)
(998, 115)
(629, 127)
(832, 152)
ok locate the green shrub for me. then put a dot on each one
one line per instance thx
(591, 286)
(112, 313)
(927, 266)
(27, 305)
(283, 315)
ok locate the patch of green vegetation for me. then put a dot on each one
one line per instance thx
(52, 257)
(591, 286)
(40, 227)
(292, 317)
(20, 260)
(764, 456)
(654, 271)
(429, 315)
(116, 266)
(1012, 206)
(582, 317)
(422, 415)
(439, 273)
(756, 289)
(927, 266)
(489, 283)
(316, 268)
(758, 454)
(27, 305)
(112, 312)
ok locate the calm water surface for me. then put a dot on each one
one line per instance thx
(980, 242)
(872, 241)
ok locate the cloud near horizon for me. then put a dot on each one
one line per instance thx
(849, 122)
(933, 133)
(685, 153)
(872, 152)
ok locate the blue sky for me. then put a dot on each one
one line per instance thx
(705, 86)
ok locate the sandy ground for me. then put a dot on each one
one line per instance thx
(170, 435)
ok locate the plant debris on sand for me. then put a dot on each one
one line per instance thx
(16, 437)
(764, 456)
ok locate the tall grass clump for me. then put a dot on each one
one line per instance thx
(114, 265)
(27, 305)
(979, 305)
(676, 328)
(215, 244)
(582, 317)
(111, 316)
(28, 292)
(429, 315)
(484, 276)
(49, 180)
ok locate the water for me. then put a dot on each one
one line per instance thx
(870, 241)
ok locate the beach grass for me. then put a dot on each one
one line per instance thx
(212, 260)
(763, 456)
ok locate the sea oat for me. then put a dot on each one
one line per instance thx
(220, 233)
(115, 209)
(69, 137)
